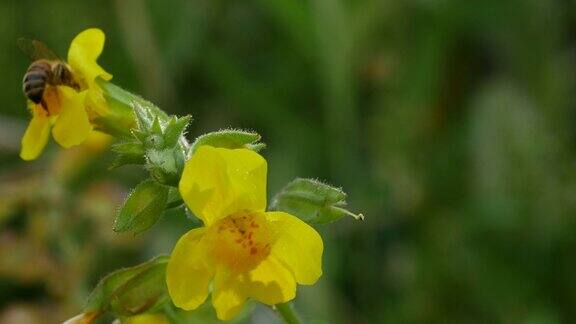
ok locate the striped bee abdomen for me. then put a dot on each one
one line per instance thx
(35, 80)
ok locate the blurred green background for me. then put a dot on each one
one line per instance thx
(450, 124)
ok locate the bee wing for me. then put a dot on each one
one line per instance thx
(36, 50)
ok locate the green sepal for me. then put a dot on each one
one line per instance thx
(143, 116)
(131, 291)
(156, 128)
(175, 129)
(312, 201)
(142, 208)
(229, 138)
(174, 198)
(138, 135)
(157, 141)
(166, 165)
(128, 152)
(256, 147)
(124, 159)
(128, 147)
(117, 122)
(129, 99)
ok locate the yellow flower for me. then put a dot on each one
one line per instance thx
(68, 112)
(146, 319)
(245, 251)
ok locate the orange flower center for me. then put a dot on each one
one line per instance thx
(241, 241)
(52, 101)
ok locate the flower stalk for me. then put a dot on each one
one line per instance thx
(287, 312)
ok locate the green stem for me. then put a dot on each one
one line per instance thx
(288, 314)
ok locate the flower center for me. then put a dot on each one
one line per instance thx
(241, 240)
(52, 101)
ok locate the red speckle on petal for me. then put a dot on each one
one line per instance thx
(253, 250)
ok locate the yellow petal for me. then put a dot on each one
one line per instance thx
(97, 142)
(188, 274)
(72, 126)
(298, 246)
(217, 182)
(83, 53)
(95, 103)
(227, 297)
(36, 135)
(271, 282)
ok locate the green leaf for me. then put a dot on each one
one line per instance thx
(142, 208)
(313, 201)
(131, 291)
(229, 138)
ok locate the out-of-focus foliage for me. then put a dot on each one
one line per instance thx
(449, 123)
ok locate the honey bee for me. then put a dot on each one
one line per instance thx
(47, 69)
